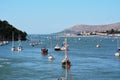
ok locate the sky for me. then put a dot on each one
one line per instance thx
(51, 16)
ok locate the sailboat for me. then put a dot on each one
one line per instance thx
(97, 45)
(19, 46)
(50, 57)
(13, 47)
(66, 61)
(64, 46)
(57, 47)
(44, 51)
(117, 53)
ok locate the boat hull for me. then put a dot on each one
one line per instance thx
(44, 51)
(117, 54)
(66, 64)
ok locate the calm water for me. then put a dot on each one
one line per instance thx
(88, 62)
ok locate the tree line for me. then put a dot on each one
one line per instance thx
(112, 31)
(7, 29)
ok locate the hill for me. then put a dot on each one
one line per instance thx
(92, 28)
(6, 30)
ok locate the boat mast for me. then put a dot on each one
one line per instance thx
(66, 49)
(12, 38)
(19, 40)
(66, 56)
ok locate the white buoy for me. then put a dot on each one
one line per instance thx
(97, 45)
(51, 58)
(117, 54)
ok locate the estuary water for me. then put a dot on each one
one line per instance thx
(87, 61)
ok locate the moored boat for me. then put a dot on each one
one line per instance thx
(97, 45)
(44, 51)
(51, 58)
(66, 61)
(117, 54)
(57, 48)
(19, 48)
(14, 48)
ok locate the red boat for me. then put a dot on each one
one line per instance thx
(66, 63)
(44, 51)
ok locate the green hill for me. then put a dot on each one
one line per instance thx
(6, 30)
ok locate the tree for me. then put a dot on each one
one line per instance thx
(6, 30)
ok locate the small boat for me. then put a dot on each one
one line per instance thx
(19, 48)
(3, 43)
(64, 46)
(97, 45)
(44, 51)
(117, 54)
(66, 61)
(51, 58)
(57, 48)
(13, 47)
(32, 44)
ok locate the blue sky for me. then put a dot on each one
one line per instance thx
(49, 16)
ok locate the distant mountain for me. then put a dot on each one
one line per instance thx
(6, 30)
(92, 28)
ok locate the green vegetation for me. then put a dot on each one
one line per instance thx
(6, 30)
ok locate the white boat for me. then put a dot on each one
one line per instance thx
(97, 45)
(57, 48)
(50, 57)
(117, 54)
(64, 46)
(19, 48)
(13, 47)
